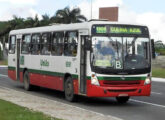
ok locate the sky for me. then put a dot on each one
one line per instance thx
(145, 12)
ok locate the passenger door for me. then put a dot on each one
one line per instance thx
(83, 65)
(18, 40)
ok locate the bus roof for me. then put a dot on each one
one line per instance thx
(63, 27)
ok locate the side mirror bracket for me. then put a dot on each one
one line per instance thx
(152, 48)
(88, 43)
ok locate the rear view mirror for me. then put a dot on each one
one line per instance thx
(153, 48)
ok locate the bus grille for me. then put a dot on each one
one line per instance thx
(129, 90)
(120, 83)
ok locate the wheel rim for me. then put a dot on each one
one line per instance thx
(69, 89)
(26, 82)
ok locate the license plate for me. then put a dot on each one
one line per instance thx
(122, 95)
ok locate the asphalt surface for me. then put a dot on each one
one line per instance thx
(138, 108)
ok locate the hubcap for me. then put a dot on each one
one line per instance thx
(26, 81)
(69, 89)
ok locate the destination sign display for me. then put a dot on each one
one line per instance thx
(125, 30)
(116, 29)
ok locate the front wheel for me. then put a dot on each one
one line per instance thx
(122, 99)
(69, 90)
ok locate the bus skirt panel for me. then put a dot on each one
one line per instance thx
(102, 91)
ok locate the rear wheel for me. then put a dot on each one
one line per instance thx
(26, 81)
(69, 90)
(122, 99)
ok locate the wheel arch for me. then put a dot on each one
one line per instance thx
(24, 70)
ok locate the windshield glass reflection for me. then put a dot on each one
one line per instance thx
(120, 52)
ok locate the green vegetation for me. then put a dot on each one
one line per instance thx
(158, 72)
(159, 47)
(161, 51)
(64, 16)
(9, 111)
(3, 62)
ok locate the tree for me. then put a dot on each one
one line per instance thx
(32, 22)
(45, 20)
(69, 16)
(16, 22)
(159, 44)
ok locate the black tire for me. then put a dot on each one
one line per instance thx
(69, 90)
(35, 88)
(122, 99)
(26, 81)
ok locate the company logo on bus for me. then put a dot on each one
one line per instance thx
(123, 78)
(44, 63)
(22, 60)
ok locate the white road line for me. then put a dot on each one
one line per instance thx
(158, 79)
(156, 93)
(3, 66)
(153, 104)
(1, 75)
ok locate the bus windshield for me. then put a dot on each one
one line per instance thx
(120, 53)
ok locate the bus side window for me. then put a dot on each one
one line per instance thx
(12, 44)
(57, 43)
(35, 44)
(70, 44)
(25, 49)
(45, 44)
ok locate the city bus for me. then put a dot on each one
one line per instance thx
(94, 59)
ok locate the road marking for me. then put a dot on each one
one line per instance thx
(3, 66)
(158, 79)
(153, 104)
(156, 93)
(1, 75)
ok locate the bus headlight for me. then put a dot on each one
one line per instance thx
(147, 81)
(94, 80)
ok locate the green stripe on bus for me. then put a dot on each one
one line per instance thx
(11, 68)
(74, 76)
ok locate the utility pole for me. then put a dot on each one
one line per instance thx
(91, 9)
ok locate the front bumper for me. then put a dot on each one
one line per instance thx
(102, 91)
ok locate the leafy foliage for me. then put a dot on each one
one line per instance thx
(65, 16)
(69, 16)
(160, 47)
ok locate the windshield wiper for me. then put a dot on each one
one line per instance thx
(117, 49)
(133, 45)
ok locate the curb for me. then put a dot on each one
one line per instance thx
(158, 79)
(3, 66)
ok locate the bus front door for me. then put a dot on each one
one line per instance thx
(18, 58)
(83, 65)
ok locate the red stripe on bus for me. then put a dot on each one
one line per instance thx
(12, 74)
(52, 82)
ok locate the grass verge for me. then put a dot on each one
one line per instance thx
(158, 72)
(9, 111)
(3, 62)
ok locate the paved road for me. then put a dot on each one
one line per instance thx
(138, 108)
